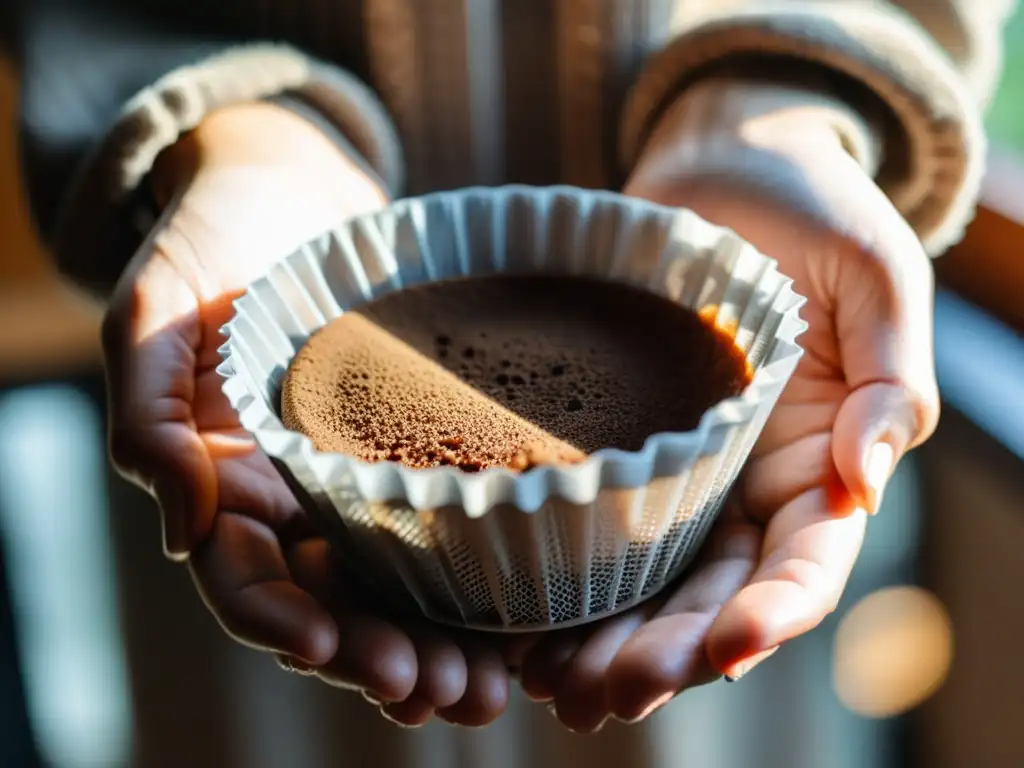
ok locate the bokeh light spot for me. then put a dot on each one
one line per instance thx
(893, 650)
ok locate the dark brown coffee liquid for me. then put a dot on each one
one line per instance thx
(508, 371)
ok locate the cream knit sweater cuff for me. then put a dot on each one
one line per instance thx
(101, 223)
(934, 148)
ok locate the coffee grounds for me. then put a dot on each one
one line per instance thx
(507, 371)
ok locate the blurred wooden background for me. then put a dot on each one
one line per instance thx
(200, 700)
(45, 328)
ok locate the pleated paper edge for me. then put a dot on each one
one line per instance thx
(478, 492)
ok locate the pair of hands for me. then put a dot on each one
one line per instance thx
(252, 181)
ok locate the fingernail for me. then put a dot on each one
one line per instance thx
(552, 710)
(173, 520)
(406, 726)
(293, 665)
(651, 708)
(391, 719)
(878, 468)
(744, 667)
(371, 698)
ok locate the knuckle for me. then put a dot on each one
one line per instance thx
(894, 257)
(116, 324)
(236, 625)
(128, 452)
(112, 329)
(830, 602)
(123, 448)
(926, 407)
(815, 580)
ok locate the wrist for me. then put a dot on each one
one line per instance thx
(722, 116)
(260, 135)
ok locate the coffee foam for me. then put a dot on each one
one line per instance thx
(355, 388)
(507, 371)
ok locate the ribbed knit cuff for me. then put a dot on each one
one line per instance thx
(101, 225)
(933, 157)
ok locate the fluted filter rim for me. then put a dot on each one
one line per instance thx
(572, 542)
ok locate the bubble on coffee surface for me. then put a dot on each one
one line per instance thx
(507, 371)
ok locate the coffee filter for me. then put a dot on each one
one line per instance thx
(557, 545)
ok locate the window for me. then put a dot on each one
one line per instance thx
(1006, 116)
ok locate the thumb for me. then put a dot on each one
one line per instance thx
(151, 334)
(875, 426)
(883, 316)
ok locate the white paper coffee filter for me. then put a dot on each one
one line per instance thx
(556, 545)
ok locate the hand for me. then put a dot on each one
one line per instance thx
(243, 189)
(863, 394)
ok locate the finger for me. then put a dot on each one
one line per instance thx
(809, 549)
(875, 426)
(515, 649)
(217, 413)
(249, 484)
(666, 655)
(773, 480)
(242, 576)
(883, 319)
(310, 565)
(442, 668)
(150, 335)
(373, 655)
(581, 701)
(171, 462)
(487, 688)
(798, 415)
(294, 666)
(543, 665)
(414, 712)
